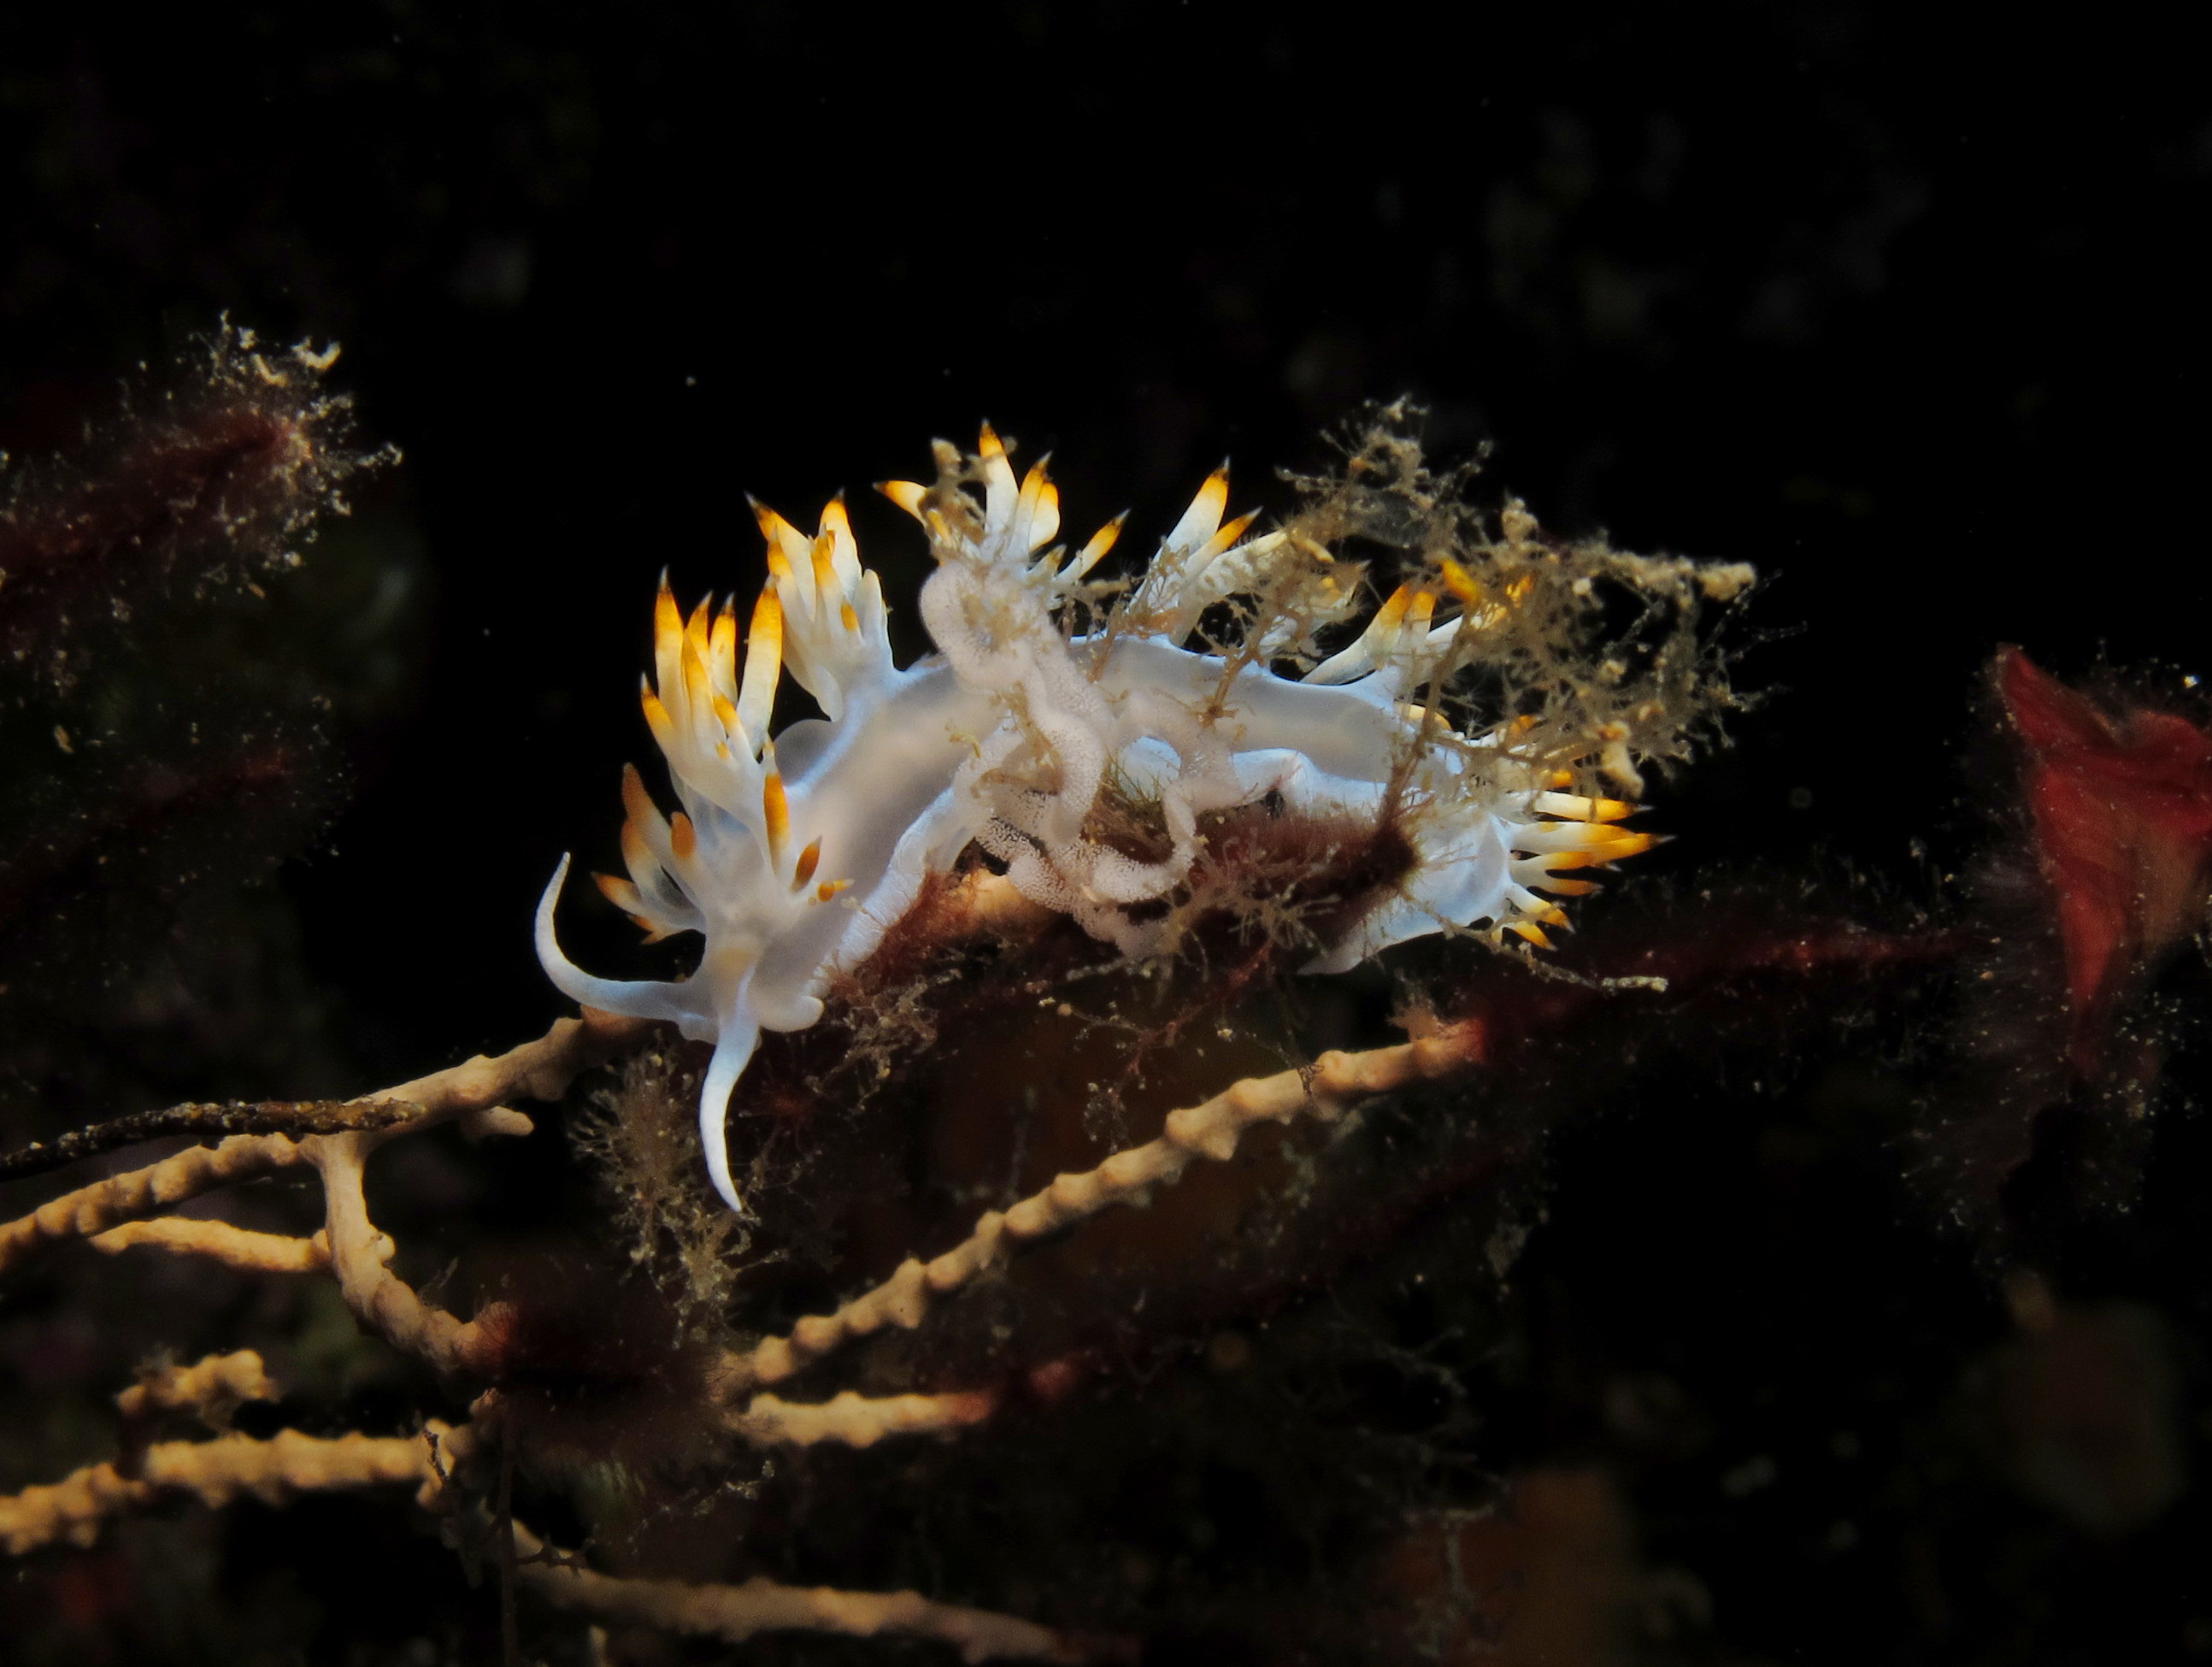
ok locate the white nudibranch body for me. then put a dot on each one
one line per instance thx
(791, 857)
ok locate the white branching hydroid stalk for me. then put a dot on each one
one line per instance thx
(792, 856)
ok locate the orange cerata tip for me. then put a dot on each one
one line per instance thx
(772, 527)
(907, 494)
(1033, 487)
(667, 617)
(620, 892)
(1461, 583)
(1548, 862)
(1100, 542)
(775, 809)
(1227, 537)
(1569, 888)
(1214, 492)
(809, 860)
(696, 682)
(1580, 809)
(657, 719)
(1626, 845)
(763, 665)
(683, 838)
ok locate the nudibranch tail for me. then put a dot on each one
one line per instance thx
(792, 854)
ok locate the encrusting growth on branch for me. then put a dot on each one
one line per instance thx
(856, 1420)
(218, 1241)
(71, 1511)
(105, 1204)
(736, 1613)
(384, 1303)
(297, 1118)
(1210, 1130)
(538, 1070)
(211, 1390)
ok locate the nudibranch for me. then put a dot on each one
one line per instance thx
(791, 855)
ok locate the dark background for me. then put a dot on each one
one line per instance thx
(1909, 314)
